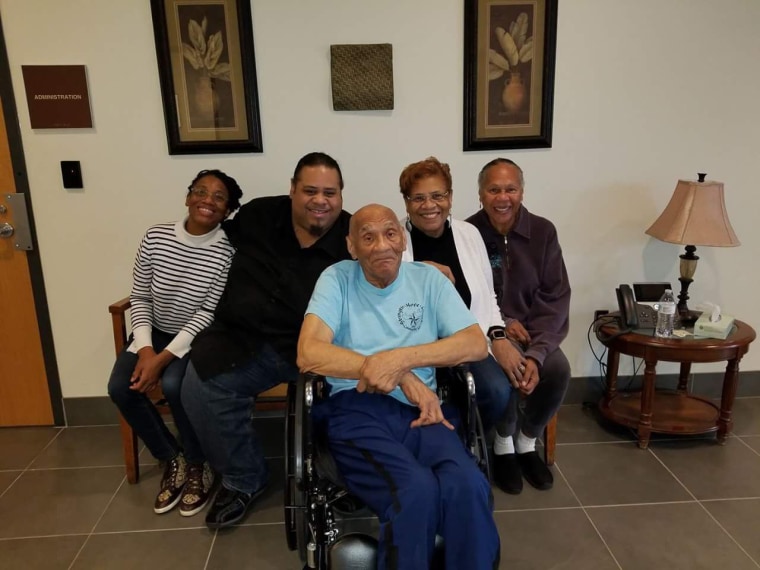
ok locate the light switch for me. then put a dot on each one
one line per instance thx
(71, 173)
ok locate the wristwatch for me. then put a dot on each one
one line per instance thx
(497, 333)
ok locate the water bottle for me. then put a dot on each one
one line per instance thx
(666, 315)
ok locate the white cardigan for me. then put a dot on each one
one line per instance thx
(476, 268)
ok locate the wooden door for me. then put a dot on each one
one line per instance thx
(24, 390)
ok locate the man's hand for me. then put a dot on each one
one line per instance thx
(530, 377)
(426, 400)
(381, 372)
(148, 369)
(516, 332)
(510, 359)
(445, 269)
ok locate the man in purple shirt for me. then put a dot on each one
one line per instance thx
(533, 292)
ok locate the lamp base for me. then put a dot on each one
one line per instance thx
(688, 318)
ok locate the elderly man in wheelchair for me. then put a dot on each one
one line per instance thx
(376, 329)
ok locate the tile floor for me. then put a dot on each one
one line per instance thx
(684, 503)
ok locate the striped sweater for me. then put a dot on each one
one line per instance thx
(178, 279)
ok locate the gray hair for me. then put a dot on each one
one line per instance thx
(494, 162)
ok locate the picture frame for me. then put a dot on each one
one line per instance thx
(509, 58)
(207, 72)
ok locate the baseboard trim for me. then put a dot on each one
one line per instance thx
(99, 410)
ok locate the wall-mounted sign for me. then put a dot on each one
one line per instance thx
(57, 96)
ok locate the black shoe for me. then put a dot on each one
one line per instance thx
(535, 471)
(507, 474)
(229, 507)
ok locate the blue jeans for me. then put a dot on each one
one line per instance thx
(493, 390)
(143, 416)
(221, 409)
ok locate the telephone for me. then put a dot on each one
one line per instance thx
(634, 315)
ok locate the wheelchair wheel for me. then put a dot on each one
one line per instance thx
(296, 526)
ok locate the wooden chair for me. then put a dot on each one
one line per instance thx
(550, 440)
(273, 399)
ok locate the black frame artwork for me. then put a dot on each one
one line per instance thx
(207, 71)
(509, 58)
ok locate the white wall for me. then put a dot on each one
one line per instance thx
(646, 92)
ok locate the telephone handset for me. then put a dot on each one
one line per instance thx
(634, 315)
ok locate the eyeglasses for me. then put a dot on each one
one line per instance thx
(420, 199)
(202, 193)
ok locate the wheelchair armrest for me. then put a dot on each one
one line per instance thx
(463, 374)
(315, 388)
(455, 378)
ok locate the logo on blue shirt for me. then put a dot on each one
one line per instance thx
(410, 316)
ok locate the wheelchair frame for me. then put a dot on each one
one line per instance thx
(310, 525)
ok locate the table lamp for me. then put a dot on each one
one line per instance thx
(696, 215)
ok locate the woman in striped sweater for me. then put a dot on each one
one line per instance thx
(179, 274)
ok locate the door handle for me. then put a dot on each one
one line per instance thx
(21, 230)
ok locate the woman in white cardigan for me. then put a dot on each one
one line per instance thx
(457, 249)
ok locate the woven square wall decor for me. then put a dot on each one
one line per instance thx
(362, 76)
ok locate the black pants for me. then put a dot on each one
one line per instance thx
(541, 405)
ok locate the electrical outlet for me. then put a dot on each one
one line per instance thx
(600, 313)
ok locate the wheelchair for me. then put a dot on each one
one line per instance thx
(313, 487)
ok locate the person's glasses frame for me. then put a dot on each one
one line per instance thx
(420, 199)
(202, 193)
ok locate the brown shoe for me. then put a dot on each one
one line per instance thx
(200, 479)
(172, 483)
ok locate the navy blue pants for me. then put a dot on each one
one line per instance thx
(419, 481)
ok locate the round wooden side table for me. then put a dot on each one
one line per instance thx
(667, 411)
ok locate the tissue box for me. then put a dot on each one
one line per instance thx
(704, 328)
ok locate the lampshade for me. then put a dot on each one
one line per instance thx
(695, 215)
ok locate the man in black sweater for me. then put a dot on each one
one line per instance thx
(283, 243)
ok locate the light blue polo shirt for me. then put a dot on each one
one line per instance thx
(419, 307)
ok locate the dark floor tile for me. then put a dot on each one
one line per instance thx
(64, 501)
(186, 549)
(255, 547)
(746, 414)
(540, 540)
(132, 508)
(671, 536)
(741, 518)
(19, 446)
(579, 424)
(144, 457)
(98, 446)
(6, 478)
(50, 553)
(617, 473)
(753, 442)
(710, 470)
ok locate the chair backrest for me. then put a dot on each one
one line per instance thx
(118, 312)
